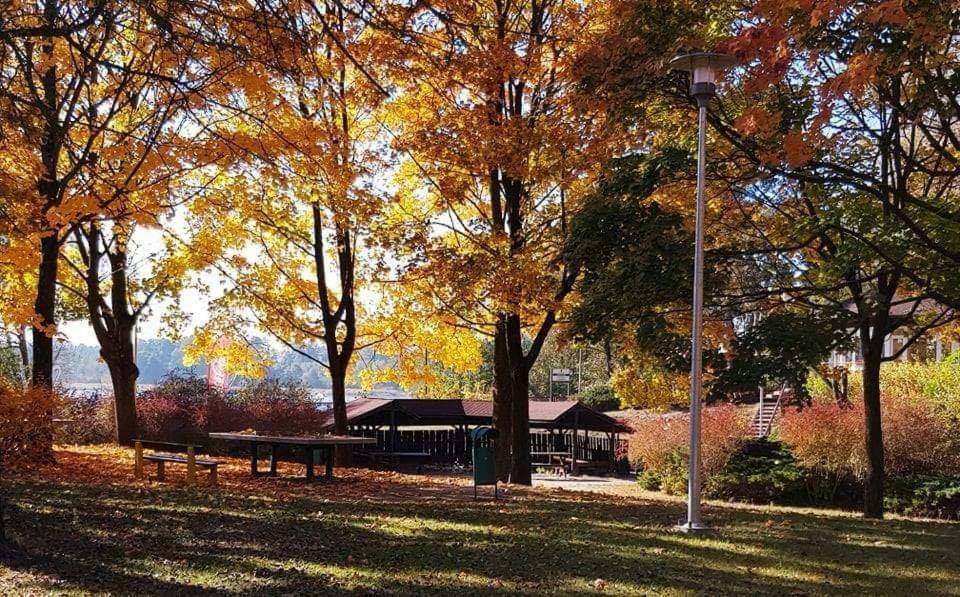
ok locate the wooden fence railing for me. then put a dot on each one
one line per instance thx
(448, 446)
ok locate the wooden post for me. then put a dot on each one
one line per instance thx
(310, 454)
(253, 460)
(328, 473)
(138, 459)
(393, 430)
(574, 467)
(273, 460)
(213, 475)
(613, 447)
(191, 466)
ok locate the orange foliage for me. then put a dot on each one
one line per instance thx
(826, 437)
(796, 149)
(26, 423)
(656, 438)
(829, 438)
(757, 121)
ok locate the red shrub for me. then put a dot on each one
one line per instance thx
(917, 438)
(26, 423)
(270, 407)
(830, 439)
(183, 409)
(175, 410)
(827, 440)
(656, 437)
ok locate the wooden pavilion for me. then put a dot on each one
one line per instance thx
(441, 428)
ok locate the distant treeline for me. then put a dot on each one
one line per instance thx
(80, 364)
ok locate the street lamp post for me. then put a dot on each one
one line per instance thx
(704, 67)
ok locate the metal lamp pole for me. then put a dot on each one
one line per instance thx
(704, 67)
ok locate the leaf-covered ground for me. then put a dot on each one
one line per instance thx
(85, 526)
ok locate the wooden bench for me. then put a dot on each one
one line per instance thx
(588, 467)
(552, 460)
(394, 459)
(190, 459)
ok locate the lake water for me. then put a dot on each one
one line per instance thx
(322, 396)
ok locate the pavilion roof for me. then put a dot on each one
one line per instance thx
(407, 412)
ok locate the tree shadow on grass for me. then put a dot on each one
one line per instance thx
(172, 540)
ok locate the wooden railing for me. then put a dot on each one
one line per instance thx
(448, 446)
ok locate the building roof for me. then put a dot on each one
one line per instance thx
(406, 412)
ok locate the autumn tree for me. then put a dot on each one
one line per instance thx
(74, 75)
(499, 146)
(424, 352)
(46, 72)
(833, 157)
(846, 114)
(98, 104)
(633, 237)
(634, 252)
(302, 199)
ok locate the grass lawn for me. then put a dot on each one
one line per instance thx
(85, 526)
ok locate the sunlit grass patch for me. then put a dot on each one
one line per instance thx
(373, 534)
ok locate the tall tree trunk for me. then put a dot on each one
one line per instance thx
(24, 354)
(113, 324)
(520, 391)
(45, 308)
(873, 483)
(123, 376)
(119, 353)
(338, 379)
(48, 186)
(339, 349)
(519, 397)
(502, 403)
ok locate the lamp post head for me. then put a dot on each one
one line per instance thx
(704, 66)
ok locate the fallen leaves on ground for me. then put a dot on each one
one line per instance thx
(85, 525)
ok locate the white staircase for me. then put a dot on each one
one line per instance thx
(765, 413)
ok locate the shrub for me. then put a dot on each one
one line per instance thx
(941, 385)
(649, 480)
(759, 471)
(91, 419)
(827, 440)
(917, 438)
(674, 478)
(184, 409)
(931, 496)
(653, 438)
(26, 423)
(176, 409)
(599, 397)
(271, 407)
(935, 383)
(660, 443)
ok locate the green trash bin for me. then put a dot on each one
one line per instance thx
(484, 459)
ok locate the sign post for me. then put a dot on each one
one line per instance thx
(561, 376)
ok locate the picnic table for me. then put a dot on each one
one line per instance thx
(554, 459)
(311, 445)
(549, 456)
(394, 459)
